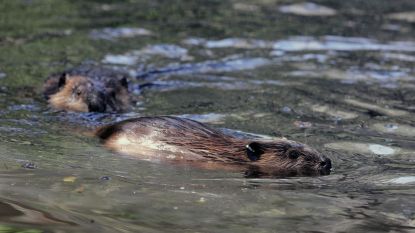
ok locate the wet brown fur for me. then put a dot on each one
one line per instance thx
(64, 99)
(186, 141)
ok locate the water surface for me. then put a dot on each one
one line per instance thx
(337, 75)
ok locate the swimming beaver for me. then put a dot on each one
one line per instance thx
(84, 94)
(186, 141)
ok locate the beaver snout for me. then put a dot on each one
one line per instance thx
(97, 102)
(325, 166)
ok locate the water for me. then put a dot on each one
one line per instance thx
(337, 75)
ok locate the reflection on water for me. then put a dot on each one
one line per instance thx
(404, 16)
(338, 43)
(308, 9)
(115, 33)
(225, 65)
(146, 53)
(364, 148)
(337, 75)
(307, 43)
(403, 180)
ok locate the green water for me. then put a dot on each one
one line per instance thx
(342, 82)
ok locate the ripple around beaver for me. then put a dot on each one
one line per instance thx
(18, 213)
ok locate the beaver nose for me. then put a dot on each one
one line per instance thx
(96, 108)
(326, 164)
(96, 102)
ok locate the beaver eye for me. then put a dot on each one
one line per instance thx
(294, 154)
(254, 151)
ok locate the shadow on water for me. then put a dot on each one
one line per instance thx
(337, 75)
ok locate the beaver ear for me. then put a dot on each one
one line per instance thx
(62, 79)
(124, 82)
(254, 151)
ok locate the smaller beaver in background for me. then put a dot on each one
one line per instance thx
(81, 93)
(185, 141)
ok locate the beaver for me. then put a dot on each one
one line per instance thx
(81, 93)
(185, 141)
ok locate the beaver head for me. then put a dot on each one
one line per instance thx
(284, 157)
(83, 94)
(118, 95)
